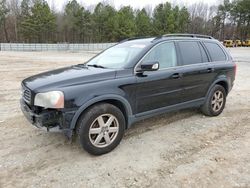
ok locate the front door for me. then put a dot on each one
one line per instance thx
(161, 88)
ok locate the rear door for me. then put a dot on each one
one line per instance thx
(220, 61)
(197, 72)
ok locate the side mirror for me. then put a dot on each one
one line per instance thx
(149, 66)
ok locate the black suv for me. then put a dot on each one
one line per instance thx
(133, 80)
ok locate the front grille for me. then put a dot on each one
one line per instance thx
(26, 95)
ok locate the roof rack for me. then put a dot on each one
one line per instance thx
(188, 35)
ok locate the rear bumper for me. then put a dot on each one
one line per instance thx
(49, 120)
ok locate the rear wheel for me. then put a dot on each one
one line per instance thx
(101, 128)
(215, 101)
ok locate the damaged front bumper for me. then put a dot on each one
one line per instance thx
(49, 120)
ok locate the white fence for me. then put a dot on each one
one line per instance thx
(54, 47)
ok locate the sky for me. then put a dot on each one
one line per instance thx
(59, 4)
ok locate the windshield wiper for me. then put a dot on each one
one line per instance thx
(82, 65)
(96, 66)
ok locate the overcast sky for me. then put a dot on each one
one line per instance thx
(59, 4)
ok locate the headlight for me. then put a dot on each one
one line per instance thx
(52, 99)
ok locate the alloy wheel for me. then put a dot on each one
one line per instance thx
(104, 130)
(217, 101)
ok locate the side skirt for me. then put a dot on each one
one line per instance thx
(151, 113)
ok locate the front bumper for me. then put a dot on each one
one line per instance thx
(49, 120)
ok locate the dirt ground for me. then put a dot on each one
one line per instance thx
(183, 149)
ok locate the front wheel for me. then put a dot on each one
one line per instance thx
(101, 128)
(215, 101)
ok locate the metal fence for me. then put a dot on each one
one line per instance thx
(54, 47)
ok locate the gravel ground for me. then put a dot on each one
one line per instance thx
(183, 149)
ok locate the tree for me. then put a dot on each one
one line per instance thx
(223, 12)
(159, 24)
(40, 25)
(3, 14)
(14, 19)
(73, 20)
(198, 18)
(25, 8)
(105, 23)
(167, 19)
(184, 20)
(110, 24)
(143, 23)
(240, 13)
(126, 23)
(34, 21)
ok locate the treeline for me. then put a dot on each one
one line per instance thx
(35, 21)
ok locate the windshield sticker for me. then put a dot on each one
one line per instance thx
(138, 46)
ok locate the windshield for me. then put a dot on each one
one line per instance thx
(117, 56)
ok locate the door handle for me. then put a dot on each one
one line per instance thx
(209, 70)
(176, 75)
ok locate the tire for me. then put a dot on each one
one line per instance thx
(101, 128)
(215, 101)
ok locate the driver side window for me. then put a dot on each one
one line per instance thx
(163, 53)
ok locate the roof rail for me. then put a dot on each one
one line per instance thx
(127, 39)
(133, 38)
(188, 35)
(158, 37)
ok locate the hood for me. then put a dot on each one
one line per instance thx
(67, 76)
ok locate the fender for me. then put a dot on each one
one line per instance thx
(218, 79)
(99, 99)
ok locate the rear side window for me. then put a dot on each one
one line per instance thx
(192, 52)
(215, 51)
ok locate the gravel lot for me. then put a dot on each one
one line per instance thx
(183, 149)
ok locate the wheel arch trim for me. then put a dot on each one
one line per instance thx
(220, 79)
(121, 99)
